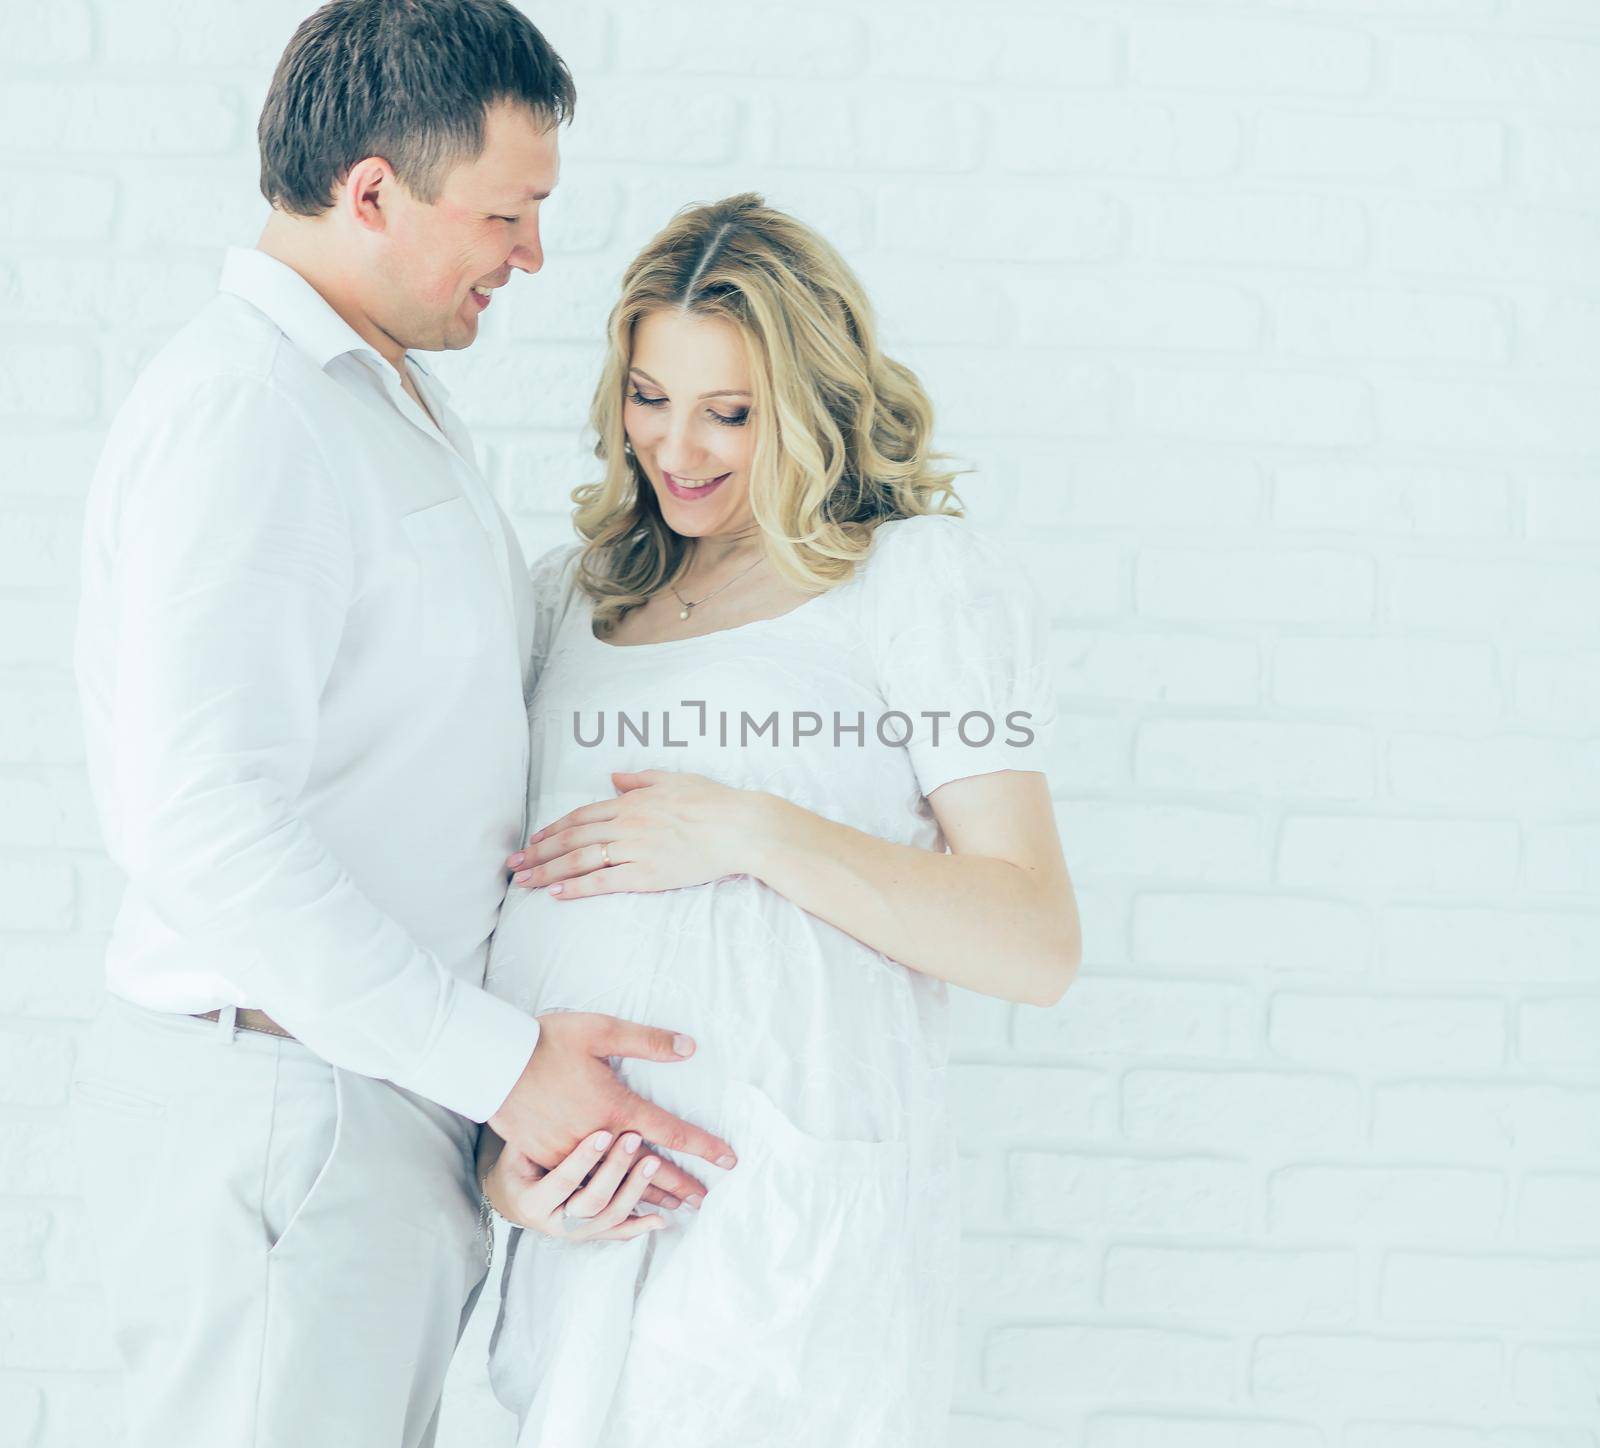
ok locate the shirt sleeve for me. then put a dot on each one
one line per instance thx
(960, 643)
(233, 572)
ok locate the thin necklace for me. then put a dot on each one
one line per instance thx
(687, 605)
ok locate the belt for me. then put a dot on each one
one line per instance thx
(248, 1020)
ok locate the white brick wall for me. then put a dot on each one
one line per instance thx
(1272, 328)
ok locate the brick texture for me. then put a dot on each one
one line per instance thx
(1270, 328)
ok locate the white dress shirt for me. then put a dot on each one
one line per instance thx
(301, 654)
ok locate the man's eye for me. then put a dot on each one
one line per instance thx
(511, 219)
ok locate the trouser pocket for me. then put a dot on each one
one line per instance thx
(121, 1133)
(307, 1119)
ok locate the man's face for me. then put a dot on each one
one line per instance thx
(441, 260)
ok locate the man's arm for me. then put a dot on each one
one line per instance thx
(233, 577)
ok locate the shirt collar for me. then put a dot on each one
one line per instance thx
(300, 312)
(426, 369)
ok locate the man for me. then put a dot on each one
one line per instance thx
(299, 652)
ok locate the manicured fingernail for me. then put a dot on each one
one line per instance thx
(693, 1202)
(601, 1142)
(649, 1168)
(554, 890)
(683, 1045)
(725, 1160)
(517, 860)
(523, 878)
(630, 1142)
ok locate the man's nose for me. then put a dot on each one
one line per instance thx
(528, 253)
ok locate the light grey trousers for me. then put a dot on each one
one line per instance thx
(290, 1251)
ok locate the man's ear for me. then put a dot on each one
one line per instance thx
(365, 194)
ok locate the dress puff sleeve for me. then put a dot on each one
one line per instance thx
(554, 580)
(960, 647)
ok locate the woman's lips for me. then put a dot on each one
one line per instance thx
(691, 495)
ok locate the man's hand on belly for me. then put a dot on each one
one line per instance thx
(568, 1090)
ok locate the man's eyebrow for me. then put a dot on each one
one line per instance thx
(724, 392)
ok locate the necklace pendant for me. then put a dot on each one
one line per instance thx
(684, 614)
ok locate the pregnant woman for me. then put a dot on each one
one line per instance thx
(787, 752)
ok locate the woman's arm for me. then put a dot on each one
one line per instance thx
(588, 1197)
(997, 915)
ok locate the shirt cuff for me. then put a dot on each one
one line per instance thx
(478, 1056)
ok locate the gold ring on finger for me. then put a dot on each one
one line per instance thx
(605, 854)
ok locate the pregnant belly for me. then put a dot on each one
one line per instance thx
(755, 980)
(711, 956)
(567, 955)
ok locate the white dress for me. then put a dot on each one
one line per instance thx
(812, 1299)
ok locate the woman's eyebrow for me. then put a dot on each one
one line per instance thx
(724, 392)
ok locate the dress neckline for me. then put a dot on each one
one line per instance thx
(753, 624)
(734, 628)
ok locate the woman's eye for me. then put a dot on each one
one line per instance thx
(737, 420)
(634, 395)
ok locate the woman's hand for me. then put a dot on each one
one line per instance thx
(663, 831)
(585, 1198)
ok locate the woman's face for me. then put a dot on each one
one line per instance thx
(687, 414)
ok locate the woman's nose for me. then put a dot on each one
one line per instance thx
(677, 451)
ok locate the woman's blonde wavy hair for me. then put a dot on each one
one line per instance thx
(843, 431)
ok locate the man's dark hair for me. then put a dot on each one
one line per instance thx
(408, 80)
